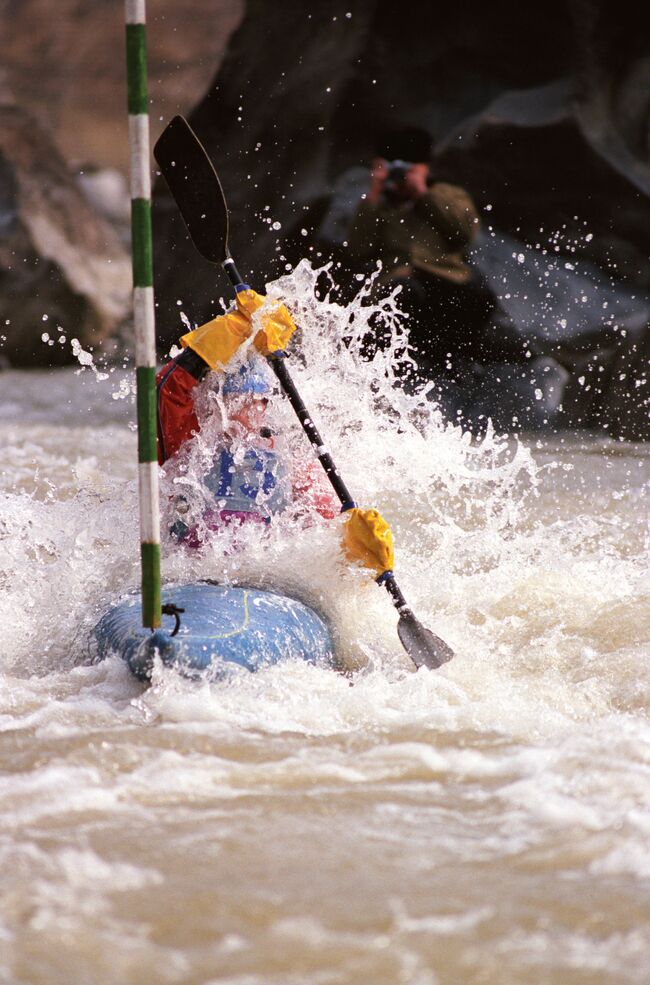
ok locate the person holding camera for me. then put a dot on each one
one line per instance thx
(421, 228)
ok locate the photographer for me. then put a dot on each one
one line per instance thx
(420, 227)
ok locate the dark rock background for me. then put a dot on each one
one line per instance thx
(64, 63)
(64, 200)
(63, 271)
(541, 111)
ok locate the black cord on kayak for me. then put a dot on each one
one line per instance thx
(169, 609)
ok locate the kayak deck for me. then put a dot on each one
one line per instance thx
(220, 626)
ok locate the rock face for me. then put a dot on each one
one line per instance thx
(543, 118)
(64, 158)
(611, 392)
(68, 69)
(63, 270)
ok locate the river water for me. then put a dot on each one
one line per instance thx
(485, 824)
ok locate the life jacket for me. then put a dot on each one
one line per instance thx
(255, 482)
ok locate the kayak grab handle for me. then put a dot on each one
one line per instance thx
(169, 609)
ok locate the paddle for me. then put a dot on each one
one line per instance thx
(197, 191)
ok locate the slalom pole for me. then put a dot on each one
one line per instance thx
(143, 309)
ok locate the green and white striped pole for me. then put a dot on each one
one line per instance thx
(143, 306)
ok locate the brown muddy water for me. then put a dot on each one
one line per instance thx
(485, 824)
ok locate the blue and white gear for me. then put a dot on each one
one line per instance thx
(257, 483)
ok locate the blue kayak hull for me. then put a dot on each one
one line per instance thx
(220, 627)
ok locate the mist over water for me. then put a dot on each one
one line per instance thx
(484, 823)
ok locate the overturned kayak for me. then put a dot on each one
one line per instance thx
(220, 626)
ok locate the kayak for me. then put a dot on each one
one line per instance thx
(220, 626)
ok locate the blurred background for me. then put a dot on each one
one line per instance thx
(540, 112)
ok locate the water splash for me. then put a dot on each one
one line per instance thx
(445, 495)
(524, 758)
(481, 552)
(86, 359)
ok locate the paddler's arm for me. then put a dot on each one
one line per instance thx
(218, 340)
(175, 385)
(212, 346)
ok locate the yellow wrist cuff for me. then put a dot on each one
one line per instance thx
(368, 538)
(218, 340)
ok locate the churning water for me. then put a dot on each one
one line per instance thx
(486, 823)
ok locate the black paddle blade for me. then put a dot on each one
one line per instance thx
(423, 647)
(196, 188)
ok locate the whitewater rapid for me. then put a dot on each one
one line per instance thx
(484, 823)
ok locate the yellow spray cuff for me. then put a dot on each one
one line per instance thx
(276, 325)
(277, 328)
(368, 538)
(218, 340)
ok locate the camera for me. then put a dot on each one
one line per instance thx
(397, 171)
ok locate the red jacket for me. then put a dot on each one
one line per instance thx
(177, 419)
